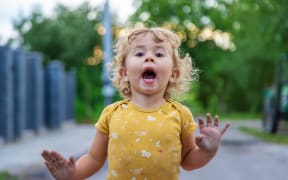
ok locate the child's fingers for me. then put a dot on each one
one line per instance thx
(71, 162)
(216, 121)
(46, 155)
(53, 159)
(56, 156)
(201, 123)
(225, 128)
(50, 166)
(208, 119)
(199, 139)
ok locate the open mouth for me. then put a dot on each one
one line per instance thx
(149, 74)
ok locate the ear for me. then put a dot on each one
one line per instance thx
(123, 74)
(174, 76)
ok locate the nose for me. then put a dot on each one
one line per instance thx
(149, 59)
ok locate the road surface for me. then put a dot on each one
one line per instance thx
(240, 157)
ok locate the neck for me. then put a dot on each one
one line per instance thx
(147, 101)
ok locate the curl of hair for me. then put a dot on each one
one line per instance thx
(187, 73)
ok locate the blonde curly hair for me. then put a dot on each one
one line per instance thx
(186, 71)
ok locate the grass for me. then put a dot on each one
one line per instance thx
(273, 138)
(241, 116)
(6, 176)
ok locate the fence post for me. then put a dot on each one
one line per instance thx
(35, 92)
(6, 93)
(70, 94)
(19, 83)
(55, 94)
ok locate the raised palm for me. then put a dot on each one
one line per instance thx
(59, 167)
(210, 134)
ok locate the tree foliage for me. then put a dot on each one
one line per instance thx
(69, 35)
(234, 44)
(230, 80)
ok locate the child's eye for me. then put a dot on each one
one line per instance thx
(159, 55)
(139, 54)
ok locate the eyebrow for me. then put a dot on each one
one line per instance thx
(143, 47)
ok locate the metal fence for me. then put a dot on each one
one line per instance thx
(33, 96)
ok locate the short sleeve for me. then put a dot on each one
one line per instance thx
(188, 125)
(103, 122)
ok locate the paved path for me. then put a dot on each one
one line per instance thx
(240, 156)
(24, 156)
(243, 157)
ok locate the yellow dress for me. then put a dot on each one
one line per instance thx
(145, 145)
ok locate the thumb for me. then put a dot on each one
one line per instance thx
(71, 161)
(199, 139)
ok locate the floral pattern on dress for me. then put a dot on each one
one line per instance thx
(145, 145)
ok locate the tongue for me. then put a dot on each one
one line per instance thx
(149, 79)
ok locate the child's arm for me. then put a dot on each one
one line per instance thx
(91, 162)
(197, 152)
(87, 165)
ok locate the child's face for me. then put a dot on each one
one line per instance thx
(149, 66)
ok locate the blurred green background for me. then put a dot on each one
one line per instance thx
(234, 44)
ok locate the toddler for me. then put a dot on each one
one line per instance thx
(148, 135)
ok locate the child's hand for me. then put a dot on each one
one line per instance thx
(59, 167)
(210, 135)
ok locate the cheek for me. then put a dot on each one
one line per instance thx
(167, 68)
(132, 67)
(132, 72)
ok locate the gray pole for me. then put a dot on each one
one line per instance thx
(35, 92)
(19, 92)
(6, 93)
(55, 94)
(107, 90)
